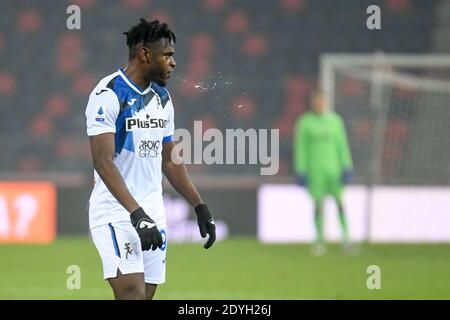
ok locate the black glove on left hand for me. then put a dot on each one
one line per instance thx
(206, 224)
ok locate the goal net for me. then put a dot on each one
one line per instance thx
(397, 114)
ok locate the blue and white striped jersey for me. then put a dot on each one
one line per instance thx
(141, 121)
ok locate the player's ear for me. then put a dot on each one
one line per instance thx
(144, 54)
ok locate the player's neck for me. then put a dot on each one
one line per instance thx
(135, 74)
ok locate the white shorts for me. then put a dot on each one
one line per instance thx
(119, 247)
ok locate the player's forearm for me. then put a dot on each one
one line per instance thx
(179, 178)
(116, 185)
(345, 155)
(300, 164)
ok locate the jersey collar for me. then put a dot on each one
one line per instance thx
(133, 85)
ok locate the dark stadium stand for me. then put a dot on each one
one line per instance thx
(263, 60)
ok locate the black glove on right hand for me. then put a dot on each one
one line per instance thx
(146, 229)
(206, 224)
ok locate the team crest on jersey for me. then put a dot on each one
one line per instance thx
(100, 115)
(137, 124)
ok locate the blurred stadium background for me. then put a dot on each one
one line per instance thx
(240, 64)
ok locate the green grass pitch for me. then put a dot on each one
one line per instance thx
(238, 268)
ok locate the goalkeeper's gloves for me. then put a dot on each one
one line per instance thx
(346, 176)
(146, 229)
(302, 180)
(206, 224)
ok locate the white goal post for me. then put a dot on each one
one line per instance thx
(330, 61)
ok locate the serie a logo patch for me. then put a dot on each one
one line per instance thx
(100, 115)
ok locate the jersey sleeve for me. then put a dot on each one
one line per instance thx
(170, 129)
(343, 148)
(101, 112)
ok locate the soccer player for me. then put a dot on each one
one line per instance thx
(130, 123)
(322, 162)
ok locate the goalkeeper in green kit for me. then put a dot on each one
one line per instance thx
(322, 162)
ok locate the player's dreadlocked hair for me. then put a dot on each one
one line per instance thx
(148, 31)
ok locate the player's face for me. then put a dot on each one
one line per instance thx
(319, 105)
(162, 62)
